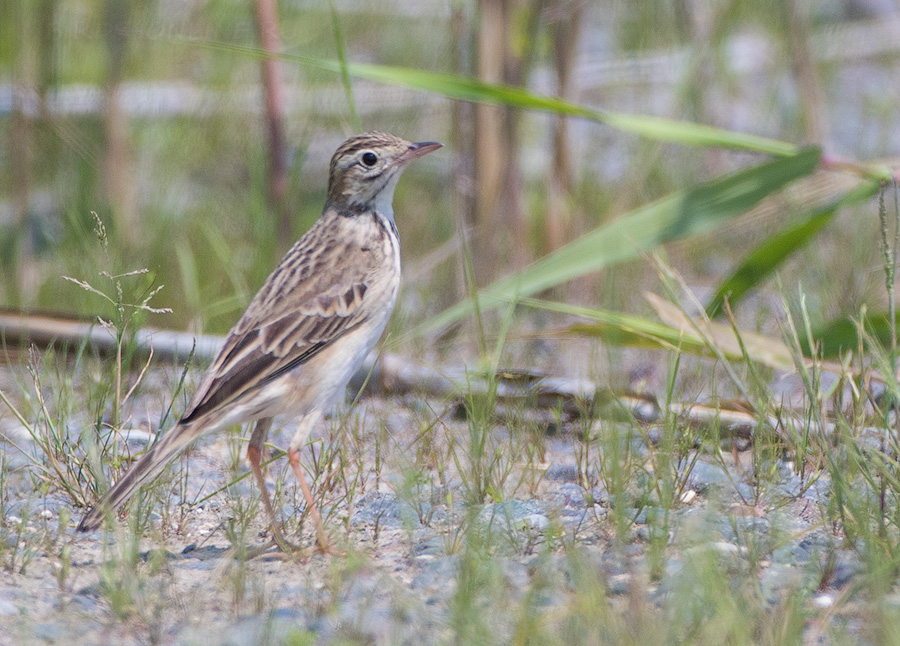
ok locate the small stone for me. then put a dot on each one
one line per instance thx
(25, 507)
(431, 547)
(818, 491)
(775, 580)
(705, 476)
(84, 603)
(438, 576)
(137, 437)
(574, 518)
(599, 494)
(562, 473)
(571, 495)
(516, 575)
(823, 601)
(792, 553)
(50, 632)
(46, 514)
(387, 511)
(687, 497)
(674, 567)
(729, 444)
(619, 583)
(847, 569)
(727, 548)
(199, 565)
(536, 521)
(639, 517)
(509, 511)
(792, 487)
(8, 608)
(745, 492)
(722, 547)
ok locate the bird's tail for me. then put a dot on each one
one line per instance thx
(147, 468)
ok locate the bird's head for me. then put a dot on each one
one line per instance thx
(365, 170)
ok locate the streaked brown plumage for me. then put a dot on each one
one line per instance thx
(310, 326)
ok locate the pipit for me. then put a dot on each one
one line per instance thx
(308, 329)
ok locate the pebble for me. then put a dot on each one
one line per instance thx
(136, 437)
(792, 487)
(745, 493)
(8, 608)
(619, 583)
(45, 507)
(387, 511)
(640, 517)
(574, 518)
(516, 575)
(823, 601)
(819, 490)
(775, 580)
(616, 561)
(848, 567)
(195, 564)
(536, 521)
(252, 630)
(705, 476)
(509, 512)
(727, 548)
(51, 632)
(438, 576)
(721, 547)
(562, 473)
(84, 603)
(431, 547)
(571, 495)
(599, 495)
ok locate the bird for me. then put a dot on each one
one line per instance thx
(307, 330)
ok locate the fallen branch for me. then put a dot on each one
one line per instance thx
(396, 375)
(42, 329)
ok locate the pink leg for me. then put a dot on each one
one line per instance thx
(254, 455)
(321, 536)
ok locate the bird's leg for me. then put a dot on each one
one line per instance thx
(254, 455)
(321, 536)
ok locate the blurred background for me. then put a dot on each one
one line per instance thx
(205, 162)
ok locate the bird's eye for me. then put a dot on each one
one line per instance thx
(369, 159)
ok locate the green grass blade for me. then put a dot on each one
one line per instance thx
(658, 128)
(463, 88)
(677, 216)
(769, 254)
(618, 328)
(842, 334)
(676, 333)
(344, 69)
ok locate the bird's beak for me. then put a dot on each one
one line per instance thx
(417, 150)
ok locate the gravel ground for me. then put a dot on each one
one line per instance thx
(405, 549)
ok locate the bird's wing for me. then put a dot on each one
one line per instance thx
(304, 306)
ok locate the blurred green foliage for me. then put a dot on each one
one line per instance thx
(203, 225)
